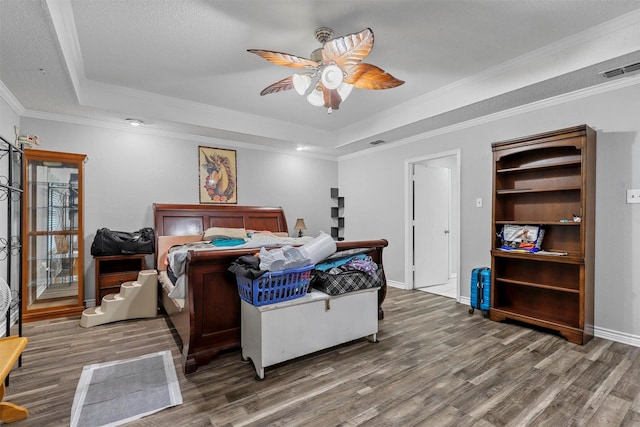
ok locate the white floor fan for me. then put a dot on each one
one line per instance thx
(5, 297)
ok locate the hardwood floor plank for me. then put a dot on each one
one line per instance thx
(514, 398)
(597, 348)
(635, 406)
(611, 412)
(631, 419)
(558, 362)
(434, 365)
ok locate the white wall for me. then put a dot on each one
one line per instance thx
(8, 119)
(128, 170)
(373, 183)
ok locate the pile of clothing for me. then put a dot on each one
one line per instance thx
(284, 258)
(359, 262)
(347, 271)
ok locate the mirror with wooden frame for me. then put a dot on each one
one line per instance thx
(52, 256)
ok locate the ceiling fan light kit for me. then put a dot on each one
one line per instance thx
(331, 76)
(315, 98)
(333, 70)
(301, 83)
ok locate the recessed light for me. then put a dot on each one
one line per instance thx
(135, 122)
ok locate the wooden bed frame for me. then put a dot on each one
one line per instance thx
(210, 320)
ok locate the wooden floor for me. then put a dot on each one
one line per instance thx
(435, 365)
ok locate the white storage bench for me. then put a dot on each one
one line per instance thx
(282, 331)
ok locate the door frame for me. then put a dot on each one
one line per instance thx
(455, 215)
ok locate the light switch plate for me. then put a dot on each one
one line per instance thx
(479, 202)
(633, 196)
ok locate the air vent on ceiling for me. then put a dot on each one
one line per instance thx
(632, 67)
(377, 142)
(622, 70)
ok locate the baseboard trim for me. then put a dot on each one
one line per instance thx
(395, 284)
(621, 337)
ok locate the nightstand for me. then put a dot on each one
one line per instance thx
(113, 271)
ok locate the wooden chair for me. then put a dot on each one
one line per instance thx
(10, 351)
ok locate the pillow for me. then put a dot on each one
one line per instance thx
(165, 242)
(225, 233)
(273, 233)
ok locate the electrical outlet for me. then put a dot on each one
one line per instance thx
(479, 202)
(633, 196)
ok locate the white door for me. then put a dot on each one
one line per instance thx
(431, 189)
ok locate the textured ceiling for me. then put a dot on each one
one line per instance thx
(182, 66)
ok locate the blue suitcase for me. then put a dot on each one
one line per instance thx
(481, 290)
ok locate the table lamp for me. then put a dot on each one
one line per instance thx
(300, 226)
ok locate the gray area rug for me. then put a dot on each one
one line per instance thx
(114, 393)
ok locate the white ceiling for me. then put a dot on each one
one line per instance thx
(182, 65)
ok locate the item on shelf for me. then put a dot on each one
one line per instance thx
(109, 242)
(29, 140)
(26, 140)
(552, 253)
(527, 238)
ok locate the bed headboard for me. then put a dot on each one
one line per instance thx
(191, 220)
(179, 220)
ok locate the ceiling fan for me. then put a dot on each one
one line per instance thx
(333, 70)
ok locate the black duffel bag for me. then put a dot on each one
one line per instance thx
(109, 242)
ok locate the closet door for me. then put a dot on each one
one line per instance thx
(52, 279)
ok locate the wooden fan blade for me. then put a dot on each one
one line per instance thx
(282, 85)
(284, 59)
(332, 98)
(367, 76)
(349, 50)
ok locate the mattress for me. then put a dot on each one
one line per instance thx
(168, 286)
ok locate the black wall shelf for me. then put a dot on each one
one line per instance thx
(336, 214)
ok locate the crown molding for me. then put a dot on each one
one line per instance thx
(613, 85)
(124, 127)
(11, 100)
(64, 25)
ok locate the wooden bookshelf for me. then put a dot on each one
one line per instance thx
(546, 180)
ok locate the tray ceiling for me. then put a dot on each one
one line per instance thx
(182, 66)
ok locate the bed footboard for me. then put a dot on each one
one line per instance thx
(214, 308)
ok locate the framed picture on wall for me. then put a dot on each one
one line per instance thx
(218, 177)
